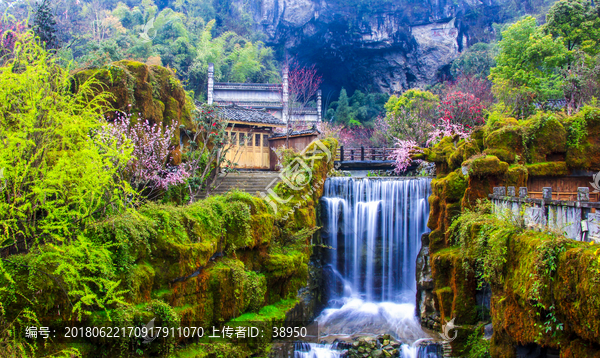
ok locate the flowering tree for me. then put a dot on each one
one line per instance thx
(9, 34)
(356, 136)
(382, 136)
(445, 128)
(402, 154)
(462, 108)
(150, 167)
(304, 84)
(480, 88)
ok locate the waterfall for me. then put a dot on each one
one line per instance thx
(374, 228)
(314, 350)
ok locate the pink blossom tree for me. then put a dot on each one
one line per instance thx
(304, 83)
(151, 169)
(10, 33)
(462, 108)
(402, 154)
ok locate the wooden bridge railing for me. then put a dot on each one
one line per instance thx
(362, 153)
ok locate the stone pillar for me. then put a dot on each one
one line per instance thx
(522, 192)
(547, 193)
(502, 191)
(211, 82)
(583, 194)
(511, 191)
(286, 95)
(319, 104)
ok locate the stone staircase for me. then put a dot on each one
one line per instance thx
(250, 182)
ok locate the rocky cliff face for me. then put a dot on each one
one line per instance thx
(381, 44)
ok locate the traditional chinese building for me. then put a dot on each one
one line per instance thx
(272, 97)
(249, 130)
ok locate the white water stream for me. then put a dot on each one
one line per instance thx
(374, 228)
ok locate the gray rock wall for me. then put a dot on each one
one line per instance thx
(382, 45)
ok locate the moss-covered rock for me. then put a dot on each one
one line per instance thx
(583, 151)
(547, 169)
(506, 143)
(488, 165)
(545, 135)
(150, 92)
(516, 176)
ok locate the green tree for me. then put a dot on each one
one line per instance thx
(44, 24)
(527, 65)
(576, 22)
(342, 113)
(475, 61)
(410, 115)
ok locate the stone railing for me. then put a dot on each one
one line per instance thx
(576, 219)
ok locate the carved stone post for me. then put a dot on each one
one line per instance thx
(319, 104)
(211, 82)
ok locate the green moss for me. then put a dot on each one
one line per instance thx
(142, 282)
(516, 176)
(586, 155)
(545, 135)
(452, 187)
(486, 166)
(505, 143)
(547, 169)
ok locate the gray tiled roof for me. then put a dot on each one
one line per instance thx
(240, 114)
(295, 133)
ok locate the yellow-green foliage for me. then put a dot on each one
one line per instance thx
(545, 134)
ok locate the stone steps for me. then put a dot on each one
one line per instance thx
(250, 182)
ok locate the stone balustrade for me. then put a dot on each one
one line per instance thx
(576, 219)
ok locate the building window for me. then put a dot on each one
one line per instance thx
(233, 138)
(242, 137)
(257, 140)
(249, 139)
(265, 141)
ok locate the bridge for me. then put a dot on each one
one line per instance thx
(364, 158)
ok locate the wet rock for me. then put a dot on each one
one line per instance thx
(395, 344)
(361, 349)
(386, 353)
(355, 344)
(377, 353)
(488, 330)
(426, 310)
(385, 342)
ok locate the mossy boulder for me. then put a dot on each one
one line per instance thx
(545, 135)
(547, 169)
(150, 92)
(585, 153)
(506, 143)
(452, 187)
(487, 165)
(516, 176)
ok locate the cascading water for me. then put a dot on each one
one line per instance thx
(374, 229)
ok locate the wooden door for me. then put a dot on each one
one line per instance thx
(251, 150)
